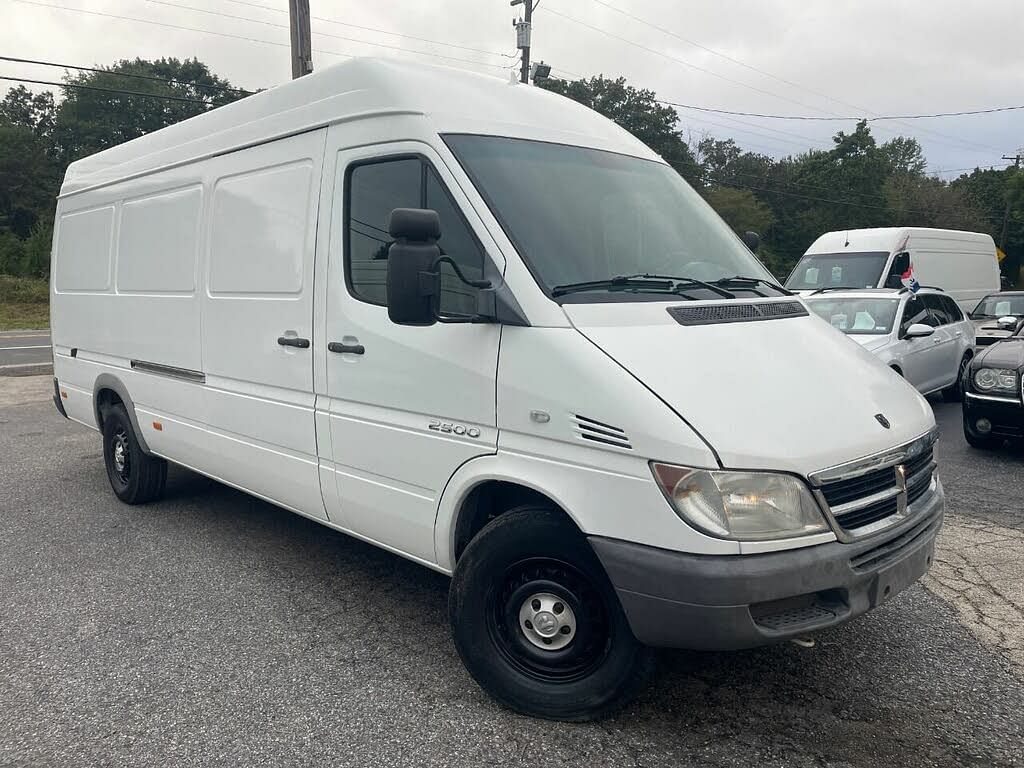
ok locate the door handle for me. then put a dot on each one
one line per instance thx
(292, 341)
(351, 349)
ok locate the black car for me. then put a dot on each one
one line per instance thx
(993, 408)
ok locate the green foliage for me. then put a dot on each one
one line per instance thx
(24, 302)
(39, 137)
(635, 109)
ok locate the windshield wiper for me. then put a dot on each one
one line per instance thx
(645, 282)
(680, 281)
(739, 279)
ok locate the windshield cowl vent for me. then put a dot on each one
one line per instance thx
(599, 432)
(737, 313)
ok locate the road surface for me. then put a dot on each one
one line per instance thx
(213, 629)
(24, 353)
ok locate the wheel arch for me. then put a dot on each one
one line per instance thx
(480, 490)
(108, 389)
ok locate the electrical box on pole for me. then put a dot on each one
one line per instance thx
(523, 28)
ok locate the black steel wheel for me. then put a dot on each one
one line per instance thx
(538, 624)
(134, 476)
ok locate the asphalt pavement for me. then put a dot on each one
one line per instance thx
(214, 629)
(25, 353)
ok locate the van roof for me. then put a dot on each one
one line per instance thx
(451, 100)
(888, 238)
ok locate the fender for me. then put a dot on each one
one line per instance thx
(620, 503)
(476, 471)
(111, 382)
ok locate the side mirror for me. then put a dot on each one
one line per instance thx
(411, 286)
(752, 240)
(1007, 323)
(919, 331)
(900, 264)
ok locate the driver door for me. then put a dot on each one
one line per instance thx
(922, 359)
(407, 405)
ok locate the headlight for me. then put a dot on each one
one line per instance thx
(995, 380)
(744, 506)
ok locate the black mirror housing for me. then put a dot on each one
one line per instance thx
(752, 240)
(411, 286)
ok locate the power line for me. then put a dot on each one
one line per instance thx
(773, 76)
(380, 31)
(847, 118)
(677, 60)
(324, 34)
(108, 90)
(160, 24)
(171, 80)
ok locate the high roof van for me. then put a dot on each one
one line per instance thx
(486, 329)
(963, 264)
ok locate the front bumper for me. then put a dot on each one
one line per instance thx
(704, 602)
(1006, 416)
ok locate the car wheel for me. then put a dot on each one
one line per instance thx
(537, 622)
(954, 393)
(135, 477)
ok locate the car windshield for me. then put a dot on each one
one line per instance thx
(581, 215)
(830, 270)
(857, 316)
(999, 306)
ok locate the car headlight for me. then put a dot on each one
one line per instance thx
(743, 506)
(995, 380)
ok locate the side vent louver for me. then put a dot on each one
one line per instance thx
(599, 432)
(711, 314)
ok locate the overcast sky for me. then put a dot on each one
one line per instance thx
(793, 57)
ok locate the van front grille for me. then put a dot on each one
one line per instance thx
(870, 494)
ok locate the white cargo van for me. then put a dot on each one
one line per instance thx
(963, 264)
(484, 328)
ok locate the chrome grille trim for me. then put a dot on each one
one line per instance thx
(865, 464)
(895, 484)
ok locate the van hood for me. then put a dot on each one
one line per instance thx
(788, 394)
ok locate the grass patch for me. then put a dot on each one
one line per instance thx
(24, 303)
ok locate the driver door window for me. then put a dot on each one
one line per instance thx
(374, 190)
(914, 312)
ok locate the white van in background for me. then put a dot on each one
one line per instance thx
(963, 264)
(483, 327)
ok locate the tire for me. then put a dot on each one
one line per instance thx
(954, 393)
(135, 477)
(528, 564)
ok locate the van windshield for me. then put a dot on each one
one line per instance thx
(857, 316)
(581, 215)
(834, 270)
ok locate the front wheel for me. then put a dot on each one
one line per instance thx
(538, 624)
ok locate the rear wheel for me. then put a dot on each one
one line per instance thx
(135, 477)
(954, 393)
(538, 624)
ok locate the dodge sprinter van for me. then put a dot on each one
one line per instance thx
(963, 264)
(484, 328)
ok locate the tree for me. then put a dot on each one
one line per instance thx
(35, 111)
(638, 111)
(88, 121)
(28, 180)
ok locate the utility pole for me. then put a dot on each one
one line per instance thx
(523, 27)
(1006, 214)
(302, 48)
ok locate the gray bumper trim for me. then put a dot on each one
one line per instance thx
(678, 600)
